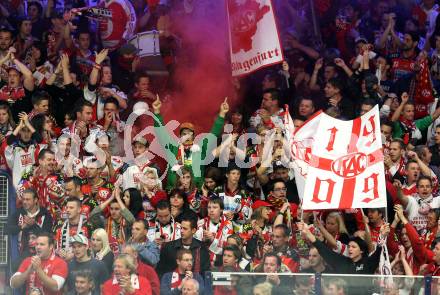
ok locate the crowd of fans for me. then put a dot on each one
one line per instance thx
(89, 220)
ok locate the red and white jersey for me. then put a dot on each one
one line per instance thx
(116, 30)
(221, 231)
(71, 166)
(20, 160)
(276, 120)
(169, 232)
(131, 178)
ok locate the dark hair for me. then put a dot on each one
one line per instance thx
(362, 245)
(32, 192)
(399, 141)
(388, 123)
(143, 221)
(369, 102)
(217, 200)
(336, 83)
(43, 53)
(38, 5)
(285, 229)
(43, 153)
(423, 177)
(272, 254)
(414, 36)
(49, 236)
(178, 192)
(235, 250)
(6, 30)
(75, 200)
(214, 173)
(39, 96)
(420, 150)
(5, 106)
(141, 75)
(190, 219)
(38, 123)
(113, 101)
(80, 104)
(163, 204)
(82, 32)
(75, 179)
(272, 183)
(135, 205)
(276, 95)
(379, 210)
(410, 162)
(299, 117)
(87, 274)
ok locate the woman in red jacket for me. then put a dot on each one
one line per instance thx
(125, 280)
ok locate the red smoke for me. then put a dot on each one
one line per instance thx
(204, 74)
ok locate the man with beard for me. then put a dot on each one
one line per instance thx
(100, 189)
(404, 64)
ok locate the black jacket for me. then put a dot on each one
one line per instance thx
(167, 262)
(43, 221)
(344, 265)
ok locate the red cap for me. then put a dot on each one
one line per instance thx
(259, 204)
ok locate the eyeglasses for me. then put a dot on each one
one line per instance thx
(282, 189)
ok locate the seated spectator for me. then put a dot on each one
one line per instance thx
(84, 284)
(143, 269)
(125, 279)
(173, 282)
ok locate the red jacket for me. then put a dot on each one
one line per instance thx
(150, 274)
(420, 254)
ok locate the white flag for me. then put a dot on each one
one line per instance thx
(254, 39)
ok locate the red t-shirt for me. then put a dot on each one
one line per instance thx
(140, 284)
(54, 266)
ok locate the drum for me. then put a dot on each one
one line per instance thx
(147, 43)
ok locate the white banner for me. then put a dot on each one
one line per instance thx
(301, 141)
(253, 35)
(345, 162)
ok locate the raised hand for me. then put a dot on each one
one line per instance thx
(157, 104)
(318, 64)
(100, 57)
(405, 97)
(224, 108)
(339, 62)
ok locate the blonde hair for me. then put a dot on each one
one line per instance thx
(102, 234)
(339, 220)
(264, 288)
(149, 170)
(128, 261)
